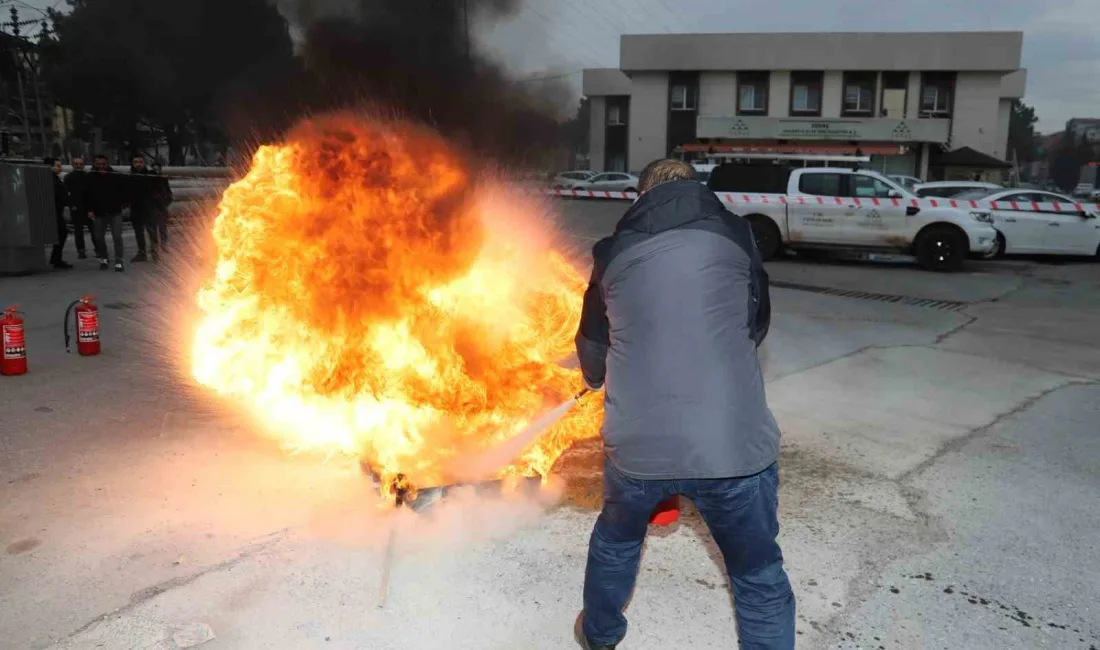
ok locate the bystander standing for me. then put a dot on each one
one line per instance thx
(60, 201)
(104, 197)
(76, 182)
(141, 190)
(162, 199)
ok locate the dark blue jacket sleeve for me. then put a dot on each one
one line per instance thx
(594, 334)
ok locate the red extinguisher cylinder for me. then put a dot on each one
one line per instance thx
(13, 353)
(87, 329)
(86, 318)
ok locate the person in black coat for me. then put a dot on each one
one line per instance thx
(142, 195)
(162, 198)
(104, 197)
(76, 182)
(60, 200)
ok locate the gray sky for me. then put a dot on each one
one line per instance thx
(549, 37)
(1061, 37)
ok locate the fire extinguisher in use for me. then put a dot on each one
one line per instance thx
(87, 327)
(13, 356)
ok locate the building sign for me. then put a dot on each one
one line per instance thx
(796, 128)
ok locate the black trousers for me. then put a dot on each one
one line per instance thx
(79, 217)
(62, 235)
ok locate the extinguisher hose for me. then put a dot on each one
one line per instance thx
(65, 325)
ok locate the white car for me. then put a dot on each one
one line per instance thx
(948, 189)
(610, 182)
(908, 182)
(1024, 230)
(569, 180)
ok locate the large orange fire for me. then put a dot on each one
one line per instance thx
(371, 298)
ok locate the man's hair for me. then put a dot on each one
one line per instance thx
(663, 171)
(99, 156)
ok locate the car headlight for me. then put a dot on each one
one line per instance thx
(984, 217)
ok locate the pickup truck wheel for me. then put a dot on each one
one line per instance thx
(768, 239)
(998, 249)
(941, 248)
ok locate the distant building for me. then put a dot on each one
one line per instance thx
(905, 99)
(1084, 127)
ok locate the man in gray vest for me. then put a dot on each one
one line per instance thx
(677, 305)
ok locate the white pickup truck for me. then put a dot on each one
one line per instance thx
(854, 210)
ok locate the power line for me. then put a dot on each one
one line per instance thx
(576, 33)
(596, 57)
(550, 77)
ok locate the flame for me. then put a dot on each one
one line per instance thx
(371, 299)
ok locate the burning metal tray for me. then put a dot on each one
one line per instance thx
(419, 499)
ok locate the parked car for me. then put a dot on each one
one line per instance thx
(569, 180)
(1095, 195)
(940, 238)
(948, 189)
(1083, 189)
(610, 182)
(702, 171)
(908, 182)
(1045, 231)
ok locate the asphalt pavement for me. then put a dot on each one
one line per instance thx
(940, 485)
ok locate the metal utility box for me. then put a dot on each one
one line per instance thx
(28, 221)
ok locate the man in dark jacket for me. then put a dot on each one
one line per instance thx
(162, 199)
(60, 201)
(104, 198)
(76, 181)
(677, 305)
(142, 196)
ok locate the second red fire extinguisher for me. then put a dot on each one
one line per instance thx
(87, 326)
(13, 353)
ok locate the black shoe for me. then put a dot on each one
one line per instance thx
(103, 265)
(62, 265)
(578, 633)
(118, 266)
(155, 256)
(140, 257)
(82, 255)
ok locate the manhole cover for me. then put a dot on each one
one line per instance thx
(946, 305)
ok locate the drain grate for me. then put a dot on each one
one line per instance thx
(944, 305)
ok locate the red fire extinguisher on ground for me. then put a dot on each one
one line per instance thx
(666, 512)
(13, 356)
(87, 326)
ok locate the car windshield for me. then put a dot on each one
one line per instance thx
(974, 195)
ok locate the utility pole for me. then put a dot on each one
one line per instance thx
(19, 74)
(466, 24)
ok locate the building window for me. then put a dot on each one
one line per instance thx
(752, 93)
(936, 94)
(683, 98)
(806, 93)
(895, 95)
(859, 93)
(615, 115)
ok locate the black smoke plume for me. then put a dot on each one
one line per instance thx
(412, 59)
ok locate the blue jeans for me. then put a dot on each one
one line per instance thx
(741, 514)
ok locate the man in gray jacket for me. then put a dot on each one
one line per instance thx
(677, 305)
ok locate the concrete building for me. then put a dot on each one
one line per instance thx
(902, 98)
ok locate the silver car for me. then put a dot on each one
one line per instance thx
(611, 182)
(569, 180)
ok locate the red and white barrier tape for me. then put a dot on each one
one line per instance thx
(770, 199)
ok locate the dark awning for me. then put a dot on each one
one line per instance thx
(967, 157)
